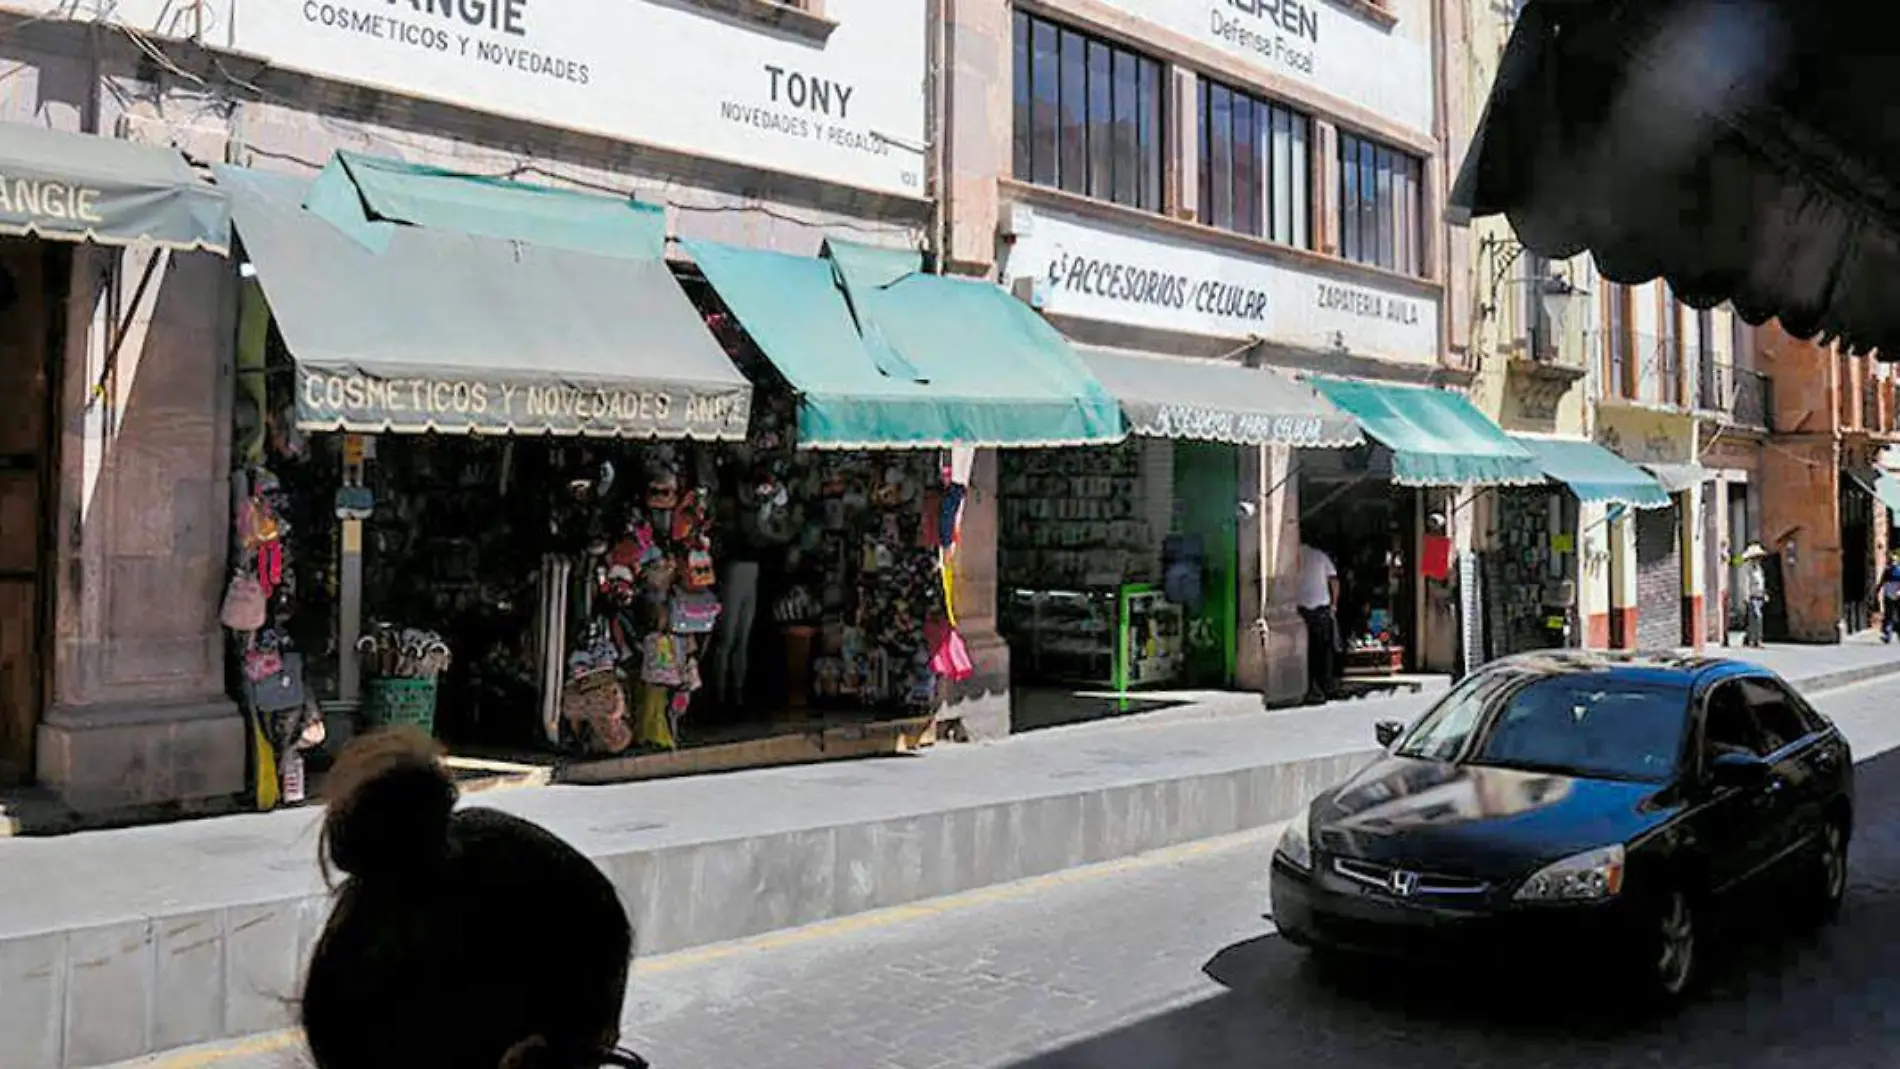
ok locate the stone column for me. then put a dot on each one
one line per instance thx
(1271, 657)
(1594, 552)
(139, 715)
(981, 702)
(980, 128)
(1622, 542)
(1695, 579)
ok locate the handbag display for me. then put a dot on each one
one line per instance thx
(281, 691)
(660, 660)
(245, 607)
(694, 613)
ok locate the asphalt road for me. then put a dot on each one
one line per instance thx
(1167, 961)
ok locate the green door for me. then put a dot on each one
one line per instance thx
(1207, 503)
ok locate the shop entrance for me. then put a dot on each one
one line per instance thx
(1207, 489)
(1350, 509)
(1857, 555)
(26, 470)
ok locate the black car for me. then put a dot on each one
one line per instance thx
(1577, 808)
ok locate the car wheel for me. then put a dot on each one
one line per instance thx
(1673, 957)
(1826, 878)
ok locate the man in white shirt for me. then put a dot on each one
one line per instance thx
(1319, 600)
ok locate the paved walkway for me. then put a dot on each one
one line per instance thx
(102, 877)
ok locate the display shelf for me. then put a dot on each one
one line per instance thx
(1150, 638)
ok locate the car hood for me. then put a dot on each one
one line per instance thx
(1484, 823)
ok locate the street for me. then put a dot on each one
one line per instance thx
(1166, 960)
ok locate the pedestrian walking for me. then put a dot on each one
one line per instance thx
(1319, 608)
(1755, 590)
(463, 939)
(1887, 590)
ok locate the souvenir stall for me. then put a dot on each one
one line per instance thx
(1531, 570)
(836, 567)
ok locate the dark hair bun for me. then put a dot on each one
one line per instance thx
(390, 800)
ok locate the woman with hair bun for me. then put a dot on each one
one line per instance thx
(465, 939)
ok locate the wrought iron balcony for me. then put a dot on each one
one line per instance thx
(1642, 368)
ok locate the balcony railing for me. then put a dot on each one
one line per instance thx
(1641, 367)
(1741, 396)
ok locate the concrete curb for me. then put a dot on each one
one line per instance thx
(100, 995)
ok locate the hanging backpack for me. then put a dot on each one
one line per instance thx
(1184, 564)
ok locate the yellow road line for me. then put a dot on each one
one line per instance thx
(279, 1042)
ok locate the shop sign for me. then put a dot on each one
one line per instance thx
(666, 73)
(1093, 271)
(1647, 436)
(1330, 47)
(498, 404)
(1209, 424)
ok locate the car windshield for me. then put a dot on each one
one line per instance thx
(1588, 724)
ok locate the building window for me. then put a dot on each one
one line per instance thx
(1619, 371)
(1088, 115)
(1256, 166)
(1381, 208)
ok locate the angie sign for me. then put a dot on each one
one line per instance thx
(1090, 271)
(670, 74)
(1337, 51)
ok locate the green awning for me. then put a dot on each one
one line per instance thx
(357, 192)
(79, 187)
(1437, 437)
(884, 356)
(1219, 401)
(454, 332)
(1596, 475)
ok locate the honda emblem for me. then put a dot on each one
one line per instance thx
(1402, 883)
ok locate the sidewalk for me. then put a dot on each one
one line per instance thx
(120, 943)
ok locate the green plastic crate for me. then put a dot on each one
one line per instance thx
(389, 703)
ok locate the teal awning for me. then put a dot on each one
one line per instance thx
(443, 330)
(1596, 475)
(363, 195)
(81, 187)
(883, 355)
(1887, 489)
(1437, 437)
(1881, 485)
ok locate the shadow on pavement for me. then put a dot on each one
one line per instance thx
(1778, 998)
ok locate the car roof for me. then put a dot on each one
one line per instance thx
(1667, 667)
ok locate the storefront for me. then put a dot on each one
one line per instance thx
(1121, 565)
(564, 496)
(1537, 557)
(1387, 517)
(1657, 562)
(70, 204)
(1199, 336)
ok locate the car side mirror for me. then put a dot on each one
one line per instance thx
(1388, 731)
(1734, 769)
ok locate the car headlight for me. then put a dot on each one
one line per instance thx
(1296, 843)
(1587, 877)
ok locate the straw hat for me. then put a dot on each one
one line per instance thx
(1754, 552)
